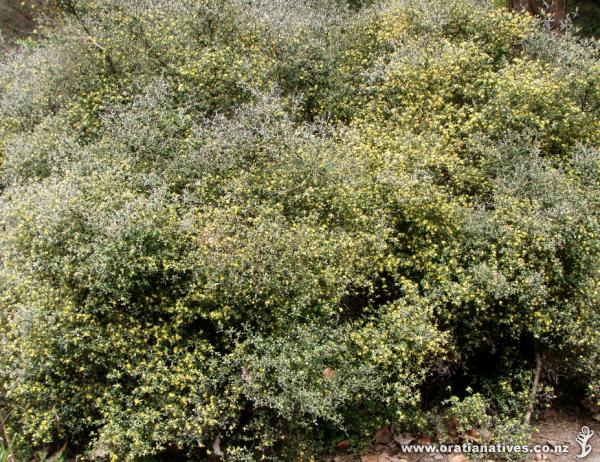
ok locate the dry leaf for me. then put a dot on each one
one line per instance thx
(370, 458)
(343, 458)
(473, 435)
(424, 440)
(452, 426)
(384, 435)
(405, 438)
(344, 444)
(459, 458)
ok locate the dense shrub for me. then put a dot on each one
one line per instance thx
(262, 228)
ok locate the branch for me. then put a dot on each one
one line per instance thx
(539, 362)
(4, 432)
(73, 10)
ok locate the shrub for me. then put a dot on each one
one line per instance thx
(261, 229)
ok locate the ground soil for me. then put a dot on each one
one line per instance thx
(555, 428)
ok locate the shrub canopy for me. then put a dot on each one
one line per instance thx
(277, 225)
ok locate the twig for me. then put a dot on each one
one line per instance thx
(73, 10)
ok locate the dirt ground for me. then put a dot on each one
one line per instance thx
(553, 430)
(563, 429)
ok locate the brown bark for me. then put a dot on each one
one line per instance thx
(510, 4)
(558, 10)
(532, 7)
(539, 362)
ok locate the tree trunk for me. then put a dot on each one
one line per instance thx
(532, 7)
(559, 13)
